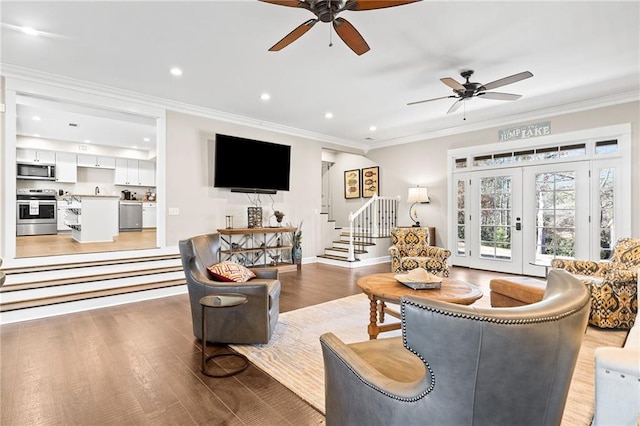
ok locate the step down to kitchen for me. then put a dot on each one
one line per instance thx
(74, 265)
(73, 297)
(54, 289)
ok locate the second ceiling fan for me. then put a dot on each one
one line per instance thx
(468, 90)
(327, 11)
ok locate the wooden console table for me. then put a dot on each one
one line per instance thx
(257, 246)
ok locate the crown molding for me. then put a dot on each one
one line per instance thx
(534, 114)
(42, 78)
(54, 80)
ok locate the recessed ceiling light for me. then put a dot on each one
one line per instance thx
(372, 128)
(36, 135)
(328, 115)
(146, 139)
(265, 96)
(30, 31)
(87, 141)
(135, 147)
(176, 71)
(36, 118)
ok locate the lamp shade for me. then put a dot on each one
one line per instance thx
(418, 195)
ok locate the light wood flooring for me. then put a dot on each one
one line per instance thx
(138, 364)
(63, 244)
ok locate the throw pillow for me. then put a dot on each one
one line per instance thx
(230, 272)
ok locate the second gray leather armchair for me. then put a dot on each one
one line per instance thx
(462, 365)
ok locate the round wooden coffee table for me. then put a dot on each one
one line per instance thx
(384, 288)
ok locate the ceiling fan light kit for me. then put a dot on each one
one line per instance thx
(469, 90)
(327, 11)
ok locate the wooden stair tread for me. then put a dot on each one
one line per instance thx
(333, 257)
(74, 297)
(354, 243)
(88, 278)
(346, 250)
(74, 265)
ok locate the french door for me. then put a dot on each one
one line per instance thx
(516, 219)
(557, 198)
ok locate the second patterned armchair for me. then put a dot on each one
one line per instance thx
(613, 285)
(411, 250)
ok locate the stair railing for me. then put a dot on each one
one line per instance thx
(373, 220)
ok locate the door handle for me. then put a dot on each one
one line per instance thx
(518, 226)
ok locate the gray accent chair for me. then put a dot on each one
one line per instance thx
(462, 365)
(250, 323)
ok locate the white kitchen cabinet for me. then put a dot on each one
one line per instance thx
(149, 218)
(35, 156)
(135, 172)
(147, 173)
(126, 172)
(96, 161)
(66, 167)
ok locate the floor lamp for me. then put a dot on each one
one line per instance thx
(416, 195)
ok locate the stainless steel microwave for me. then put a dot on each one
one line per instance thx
(36, 171)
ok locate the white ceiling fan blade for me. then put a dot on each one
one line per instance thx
(457, 104)
(498, 96)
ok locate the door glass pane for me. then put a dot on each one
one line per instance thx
(555, 215)
(461, 240)
(607, 177)
(495, 217)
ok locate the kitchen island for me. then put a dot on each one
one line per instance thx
(95, 219)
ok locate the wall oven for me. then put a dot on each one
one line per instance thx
(37, 211)
(36, 171)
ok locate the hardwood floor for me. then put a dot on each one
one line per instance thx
(61, 244)
(139, 363)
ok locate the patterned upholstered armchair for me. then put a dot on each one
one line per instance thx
(411, 250)
(613, 285)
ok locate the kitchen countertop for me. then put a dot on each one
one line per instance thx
(95, 196)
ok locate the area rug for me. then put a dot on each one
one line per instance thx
(294, 356)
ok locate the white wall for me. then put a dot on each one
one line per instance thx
(203, 208)
(425, 162)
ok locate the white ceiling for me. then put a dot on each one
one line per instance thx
(580, 53)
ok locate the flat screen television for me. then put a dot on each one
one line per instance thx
(247, 165)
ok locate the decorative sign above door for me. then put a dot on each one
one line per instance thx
(525, 132)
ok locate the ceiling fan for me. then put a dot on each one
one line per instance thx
(327, 11)
(468, 90)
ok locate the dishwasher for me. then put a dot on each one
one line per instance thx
(130, 216)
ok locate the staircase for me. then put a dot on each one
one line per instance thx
(47, 290)
(367, 239)
(339, 250)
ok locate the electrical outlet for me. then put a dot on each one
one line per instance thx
(174, 211)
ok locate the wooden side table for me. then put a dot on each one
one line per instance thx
(217, 301)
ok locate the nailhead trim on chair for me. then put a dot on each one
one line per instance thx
(491, 319)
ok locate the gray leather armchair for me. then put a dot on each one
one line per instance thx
(462, 365)
(252, 322)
